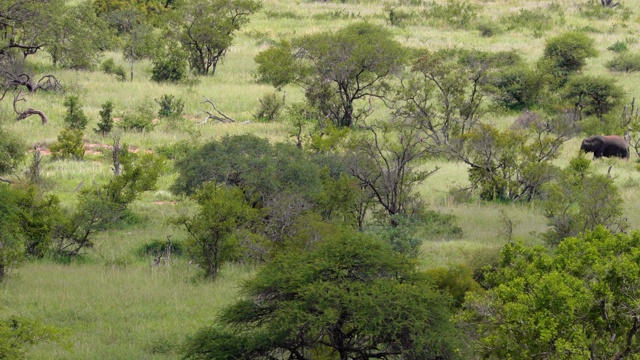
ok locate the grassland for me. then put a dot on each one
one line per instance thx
(117, 306)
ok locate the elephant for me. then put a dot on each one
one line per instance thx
(606, 145)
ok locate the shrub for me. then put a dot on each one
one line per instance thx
(170, 106)
(518, 87)
(458, 14)
(140, 120)
(593, 96)
(170, 66)
(566, 54)
(75, 117)
(69, 145)
(271, 106)
(536, 20)
(154, 247)
(488, 28)
(625, 62)
(109, 67)
(106, 119)
(619, 46)
(12, 152)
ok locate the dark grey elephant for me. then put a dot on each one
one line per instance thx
(606, 145)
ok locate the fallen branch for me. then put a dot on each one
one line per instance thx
(222, 117)
(6, 180)
(26, 113)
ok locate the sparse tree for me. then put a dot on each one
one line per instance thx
(341, 72)
(206, 29)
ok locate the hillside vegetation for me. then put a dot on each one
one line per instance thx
(118, 296)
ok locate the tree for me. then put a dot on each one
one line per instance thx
(77, 37)
(206, 28)
(17, 332)
(580, 200)
(26, 25)
(106, 118)
(350, 296)
(140, 41)
(260, 169)
(579, 301)
(223, 210)
(75, 119)
(594, 96)
(337, 69)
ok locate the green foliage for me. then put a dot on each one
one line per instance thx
(74, 119)
(170, 65)
(109, 67)
(580, 200)
(100, 207)
(106, 119)
(206, 29)
(625, 62)
(513, 164)
(170, 106)
(154, 247)
(456, 280)
(619, 47)
(537, 20)
(488, 28)
(12, 152)
(77, 37)
(16, 333)
(518, 87)
(250, 163)
(351, 289)
(593, 96)
(271, 106)
(212, 241)
(570, 302)
(566, 54)
(69, 145)
(456, 13)
(336, 69)
(140, 120)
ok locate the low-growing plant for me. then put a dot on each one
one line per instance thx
(109, 67)
(455, 13)
(69, 145)
(170, 106)
(170, 66)
(536, 19)
(618, 46)
(139, 120)
(271, 106)
(625, 62)
(153, 247)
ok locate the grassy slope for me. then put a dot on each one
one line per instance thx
(118, 307)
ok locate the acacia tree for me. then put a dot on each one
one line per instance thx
(336, 69)
(206, 28)
(579, 301)
(350, 297)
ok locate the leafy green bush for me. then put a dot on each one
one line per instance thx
(75, 117)
(625, 62)
(535, 19)
(593, 96)
(455, 13)
(106, 119)
(139, 120)
(12, 151)
(271, 106)
(170, 106)
(109, 67)
(154, 247)
(518, 87)
(170, 66)
(567, 54)
(488, 28)
(69, 145)
(618, 46)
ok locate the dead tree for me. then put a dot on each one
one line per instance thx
(29, 111)
(117, 149)
(609, 3)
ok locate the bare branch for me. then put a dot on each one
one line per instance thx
(222, 118)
